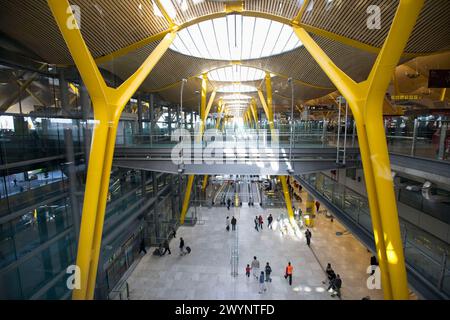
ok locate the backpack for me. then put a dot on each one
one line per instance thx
(188, 249)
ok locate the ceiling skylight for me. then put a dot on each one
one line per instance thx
(237, 88)
(235, 37)
(236, 73)
(236, 97)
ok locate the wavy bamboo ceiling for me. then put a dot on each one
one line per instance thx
(339, 26)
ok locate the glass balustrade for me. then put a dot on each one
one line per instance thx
(424, 252)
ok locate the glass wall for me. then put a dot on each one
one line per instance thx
(424, 252)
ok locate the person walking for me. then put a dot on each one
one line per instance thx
(308, 237)
(373, 264)
(166, 247)
(247, 271)
(269, 221)
(330, 273)
(336, 285)
(317, 203)
(288, 275)
(228, 223)
(260, 220)
(256, 223)
(255, 267)
(268, 270)
(262, 285)
(173, 233)
(233, 223)
(142, 246)
(228, 203)
(182, 253)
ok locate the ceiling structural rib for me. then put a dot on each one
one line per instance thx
(30, 22)
(120, 34)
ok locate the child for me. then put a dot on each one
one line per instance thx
(247, 271)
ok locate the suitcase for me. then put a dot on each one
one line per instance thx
(188, 249)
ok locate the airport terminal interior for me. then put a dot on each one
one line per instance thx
(224, 150)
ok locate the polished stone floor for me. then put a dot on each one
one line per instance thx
(206, 272)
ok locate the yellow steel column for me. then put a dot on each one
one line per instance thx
(208, 109)
(254, 112)
(108, 104)
(268, 108)
(287, 198)
(376, 85)
(187, 195)
(443, 92)
(269, 100)
(365, 100)
(219, 114)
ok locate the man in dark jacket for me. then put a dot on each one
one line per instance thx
(269, 221)
(233, 223)
(336, 285)
(142, 246)
(268, 270)
(373, 264)
(181, 246)
(166, 247)
(308, 237)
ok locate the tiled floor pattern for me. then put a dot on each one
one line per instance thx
(206, 272)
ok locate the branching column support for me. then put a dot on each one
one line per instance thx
(254, 112)
(204, 111)
(268, 109)
(366, 102)
(108, 104)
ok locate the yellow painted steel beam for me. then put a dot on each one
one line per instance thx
(254, 109)
(205, 182)
(365, 100)
(187, 197)
(210, 103)
(264, 104)
(164, 12)
(108, 104)
(219, 113)
(133, 47)
(268, 108)
(443, 92)
(299, 15)
(318, 31)
(203, 115)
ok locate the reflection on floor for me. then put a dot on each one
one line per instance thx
(206, 272)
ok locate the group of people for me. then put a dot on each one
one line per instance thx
(164, 247)
(262, 276)
(259, 222)
(334, 281)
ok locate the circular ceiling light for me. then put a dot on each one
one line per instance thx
(235, 37)
(236, 73)
(237, 88)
